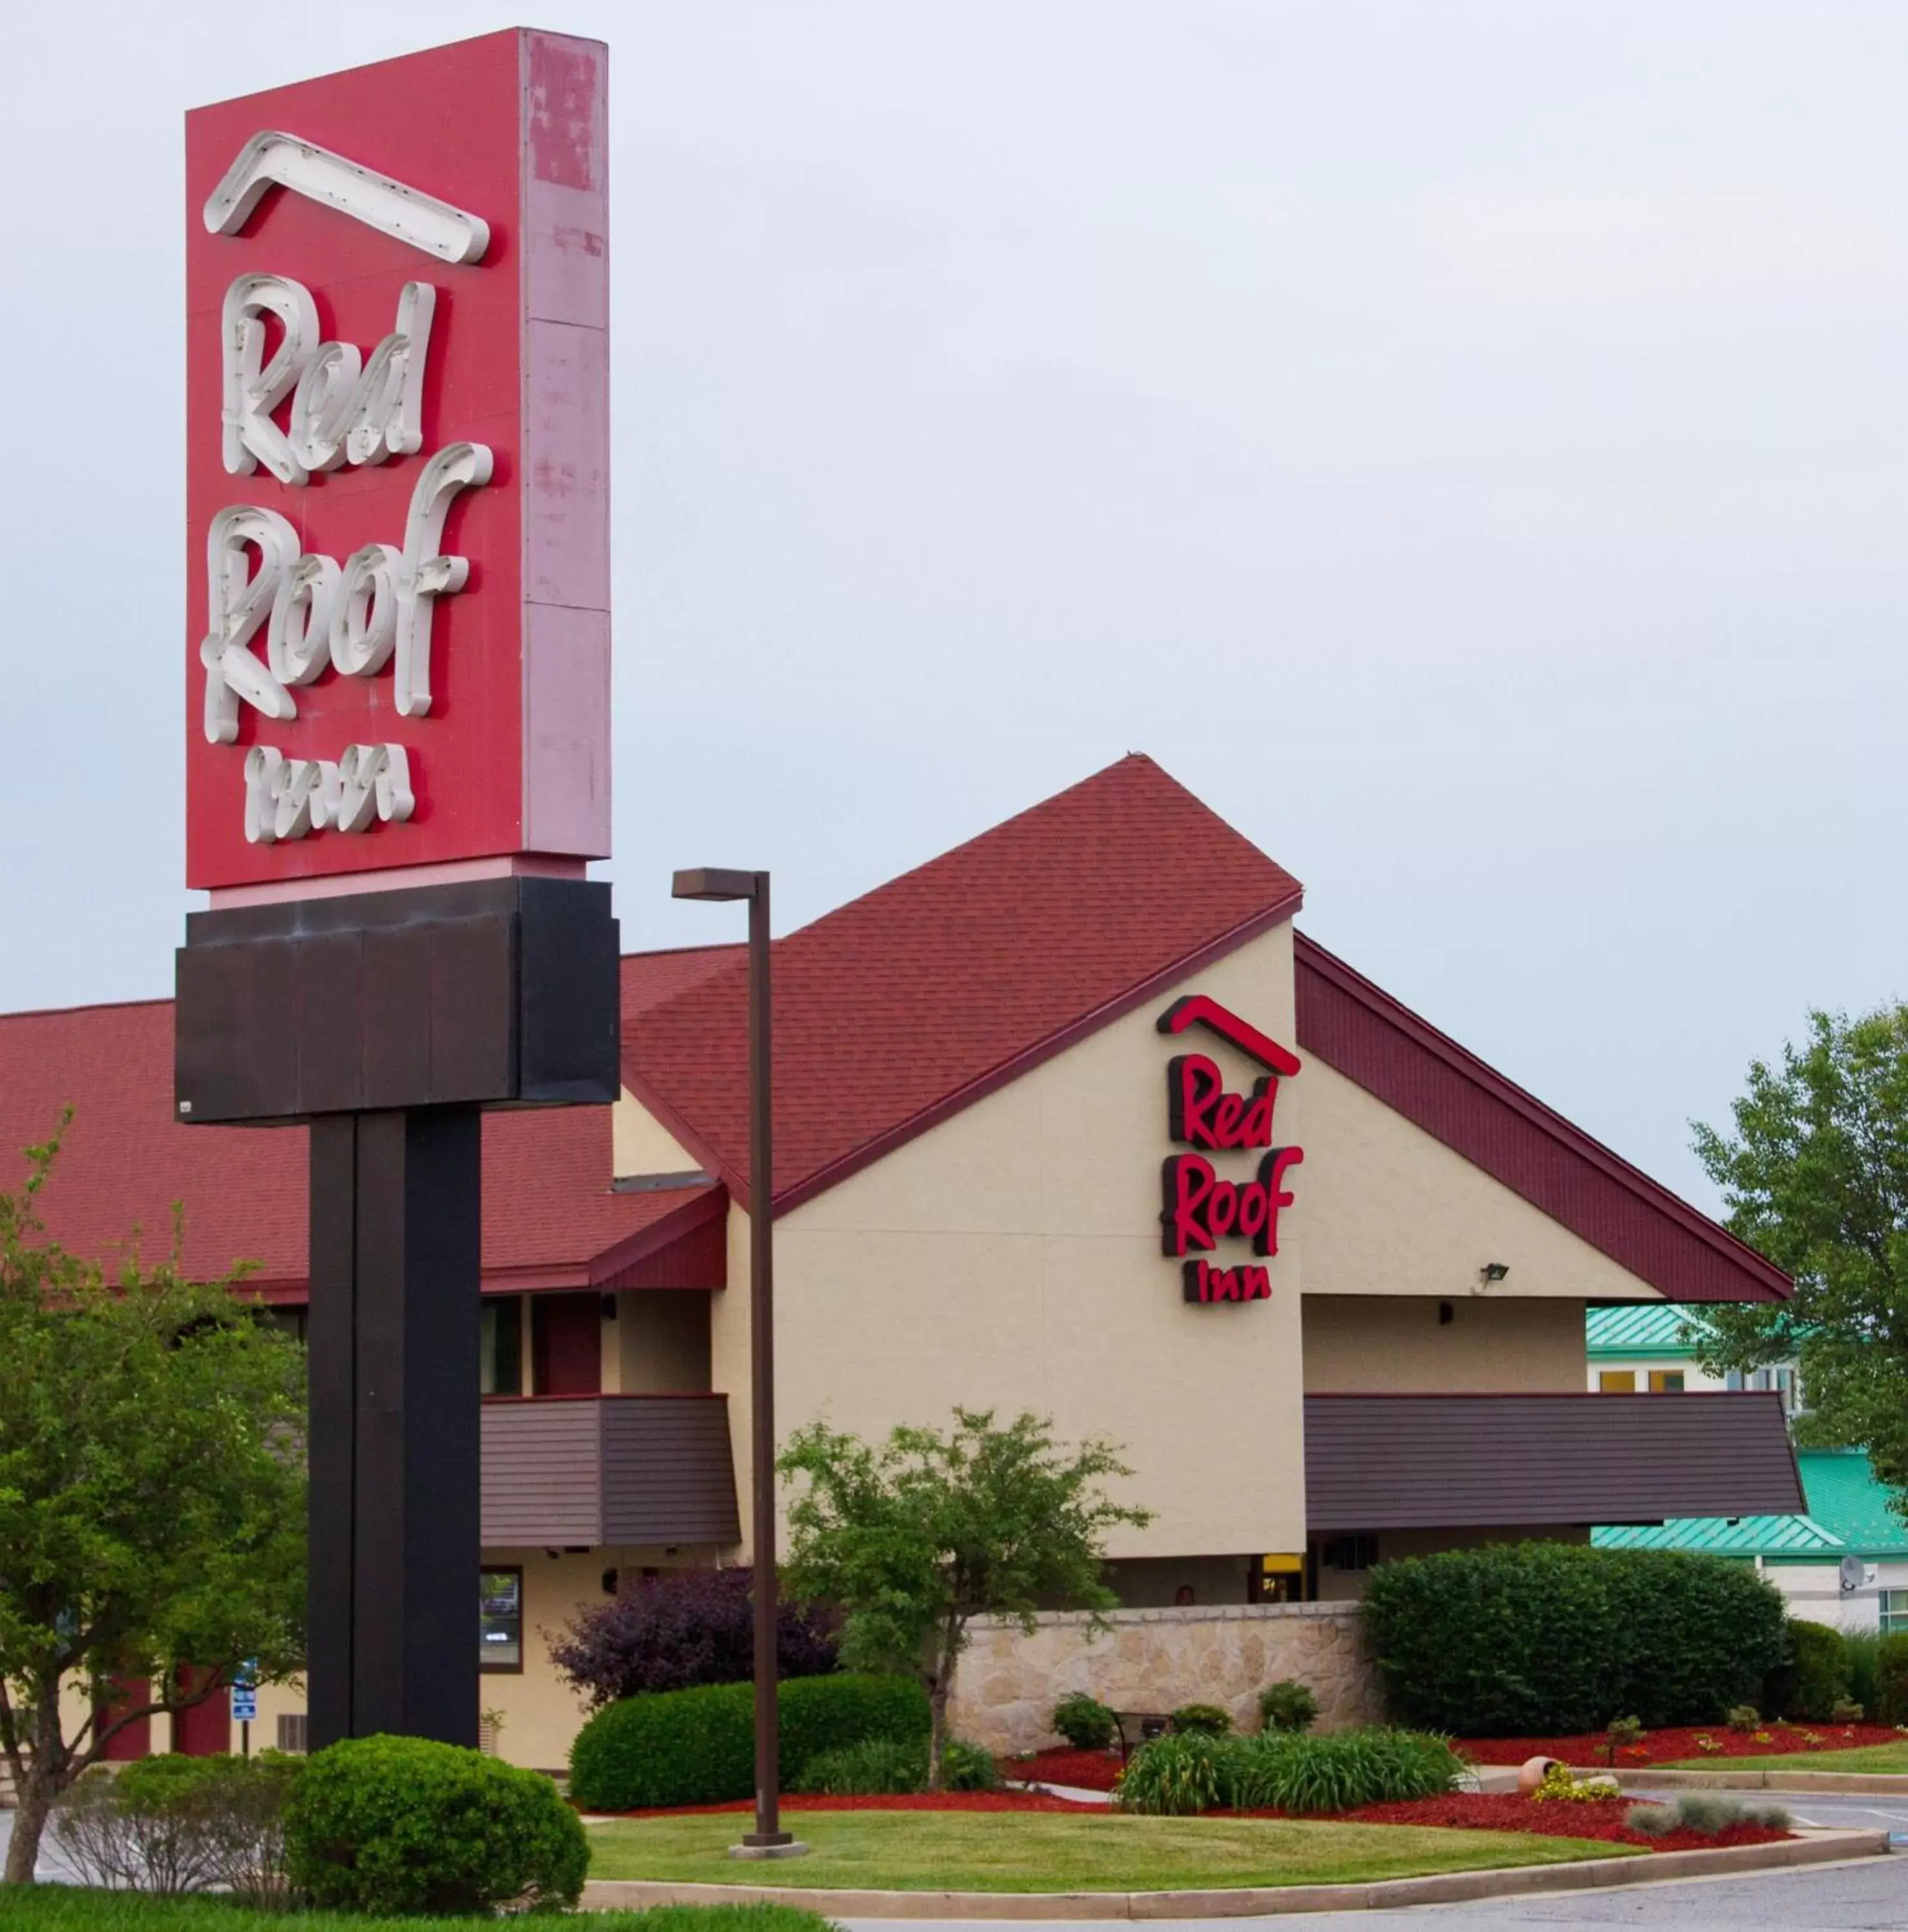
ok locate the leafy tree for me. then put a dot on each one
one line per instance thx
(1816, 1177)
(914, 1537)
(151, 1502)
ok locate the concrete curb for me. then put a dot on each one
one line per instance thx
(1810, 1848)
(1853, 1783)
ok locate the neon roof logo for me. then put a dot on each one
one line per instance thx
(273, 160)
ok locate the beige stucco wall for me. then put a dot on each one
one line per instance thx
(1010, 1258)
(1395, 1344)
(660, 1342)
(542, 1715)
(1391, 1210)
(1008, 1682)
(640, 1143)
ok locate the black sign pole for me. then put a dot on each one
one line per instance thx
(390, 1021)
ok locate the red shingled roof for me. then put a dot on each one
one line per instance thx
(549, 1214)
(914, 1001)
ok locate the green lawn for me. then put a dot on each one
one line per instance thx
(59, 1908)
(965, 1851)
(1891, 1758)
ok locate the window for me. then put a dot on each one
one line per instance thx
(500, 1620)
(501, 1348)
(1616, 1381)
(1351, 1552)
(1894, 1611)
(1665, 1381)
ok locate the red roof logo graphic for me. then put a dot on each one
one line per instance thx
(1199, 1009)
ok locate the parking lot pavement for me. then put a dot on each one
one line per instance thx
(51, 1865)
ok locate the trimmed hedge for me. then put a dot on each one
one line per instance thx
(1535, 1639)
(698, 1746)
(402, 1825)
(1813, 1676)
(1892, 1679)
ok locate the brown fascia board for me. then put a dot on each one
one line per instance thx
(1007, 1072)
(1769, 1282)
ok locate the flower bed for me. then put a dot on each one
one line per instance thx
(1592, 1748)
(1084, 1770)
(1564, 1818)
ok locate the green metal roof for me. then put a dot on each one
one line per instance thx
(1848, 1515)
(1639, 1328)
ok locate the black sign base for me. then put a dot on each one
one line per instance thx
(390, 1020)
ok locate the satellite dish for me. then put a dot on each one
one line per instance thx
(1854, 1573)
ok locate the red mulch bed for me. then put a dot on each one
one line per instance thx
(1503, 1812)
(1561, 1817)
(1592, 1748)
(945, 1801)
(1084, 1770)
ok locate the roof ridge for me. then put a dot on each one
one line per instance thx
(1539, 1114)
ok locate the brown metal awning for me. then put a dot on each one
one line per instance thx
(1489, 1462)
(586, 1471)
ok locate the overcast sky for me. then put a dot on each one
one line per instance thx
(1463, 442)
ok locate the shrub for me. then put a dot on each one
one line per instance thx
(173, 1824)
(682, 1629)
(1697, 1811)
(1208, 1719)
(1286, 1771)
(698, 1746)
(880, 1767)
(398, 1826)
(1559, 1782)
(1085, 1722)
(1288, 1705)
(1651, 1821)
(1292, 1772)
(1847, 1710)
(1173, 1777)
(876, 1767)
(1536, 1639)
(1863, 1647)
(1813, 1674)
(1743, 1718)
(1891, 1704)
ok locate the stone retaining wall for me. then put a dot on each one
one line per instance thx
(1008, 1682)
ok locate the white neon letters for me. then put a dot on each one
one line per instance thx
(279, 618)
(286, 798)
(304, 167)
(356, 617)
(343, 409)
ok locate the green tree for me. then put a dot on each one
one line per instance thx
(152, 1502)
(914, 1537)
(1816, 1177)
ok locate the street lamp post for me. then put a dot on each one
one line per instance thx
(767, 1840)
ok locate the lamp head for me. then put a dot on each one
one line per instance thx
(717, 883)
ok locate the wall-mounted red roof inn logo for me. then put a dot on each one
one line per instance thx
(397, 469)
(1202, 1207)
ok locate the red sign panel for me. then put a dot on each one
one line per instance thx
(398, 468)
(1202, 1206)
